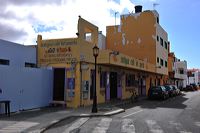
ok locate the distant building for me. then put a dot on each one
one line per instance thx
(180, 68)
(177, 71)
(193, 76)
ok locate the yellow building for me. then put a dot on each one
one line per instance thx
(72, 60)
(126, 63)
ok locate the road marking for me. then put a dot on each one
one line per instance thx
(154, 127)
(102, 126)
(18, 127)
(178, 127)
(132, 113)
(76, 125)
(128, 126)
(197, 124)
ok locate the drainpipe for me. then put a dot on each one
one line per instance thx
(80, 85)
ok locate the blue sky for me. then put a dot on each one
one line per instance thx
(21, 21)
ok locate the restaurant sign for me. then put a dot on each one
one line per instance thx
(132, 62)
(59, 53)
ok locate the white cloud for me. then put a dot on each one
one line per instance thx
(63, 16)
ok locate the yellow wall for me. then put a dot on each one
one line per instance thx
(61, 53)
(122, 60)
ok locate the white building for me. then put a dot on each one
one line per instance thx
(180, 75)
(21, 82)
(193, 76)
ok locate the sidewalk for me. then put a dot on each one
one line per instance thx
(38, 120)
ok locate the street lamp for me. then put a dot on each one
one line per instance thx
(94, 106)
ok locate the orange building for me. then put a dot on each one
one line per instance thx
(140, 35)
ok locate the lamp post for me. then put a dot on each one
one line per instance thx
(95, 54)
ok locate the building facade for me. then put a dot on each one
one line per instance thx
(21, 82)
(117, 76)
(177, 71)
(131, 59)
(73, 64)
(193, 76)
(140, 35)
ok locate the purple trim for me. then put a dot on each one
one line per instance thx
(107, 86)
(119, 86)
(119, 92)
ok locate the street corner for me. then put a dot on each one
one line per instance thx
(103, 112)
(114, 112)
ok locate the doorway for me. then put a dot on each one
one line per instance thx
(59, 84)
(142, 87)
(113, 85)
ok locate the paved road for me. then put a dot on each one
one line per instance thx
(176, 115)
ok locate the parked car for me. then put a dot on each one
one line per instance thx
(177, 90)
(158, 92)
(188, 88)
(170, 90)
(195, 87)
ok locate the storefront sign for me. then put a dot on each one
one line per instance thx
(132, 62)
(57, 51)
(58, 43)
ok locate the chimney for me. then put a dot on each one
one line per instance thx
(138, 9)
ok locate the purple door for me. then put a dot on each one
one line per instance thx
(107, 86)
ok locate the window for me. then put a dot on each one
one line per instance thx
(88, 37)
(158, 20)
(165, 45)
(181, 71)
(161, 41)
(130, 80)
(4, 62)
(32, 65)
(158, 60)
(161, 62)
(165, 63)
(158, 38)
(103, 78)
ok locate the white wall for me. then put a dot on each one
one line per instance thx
(25, 87)
(195, 79)
(17, 54)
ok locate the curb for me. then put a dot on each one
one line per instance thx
(81, 116)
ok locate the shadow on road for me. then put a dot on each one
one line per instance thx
(23, 115)
(174, 102)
